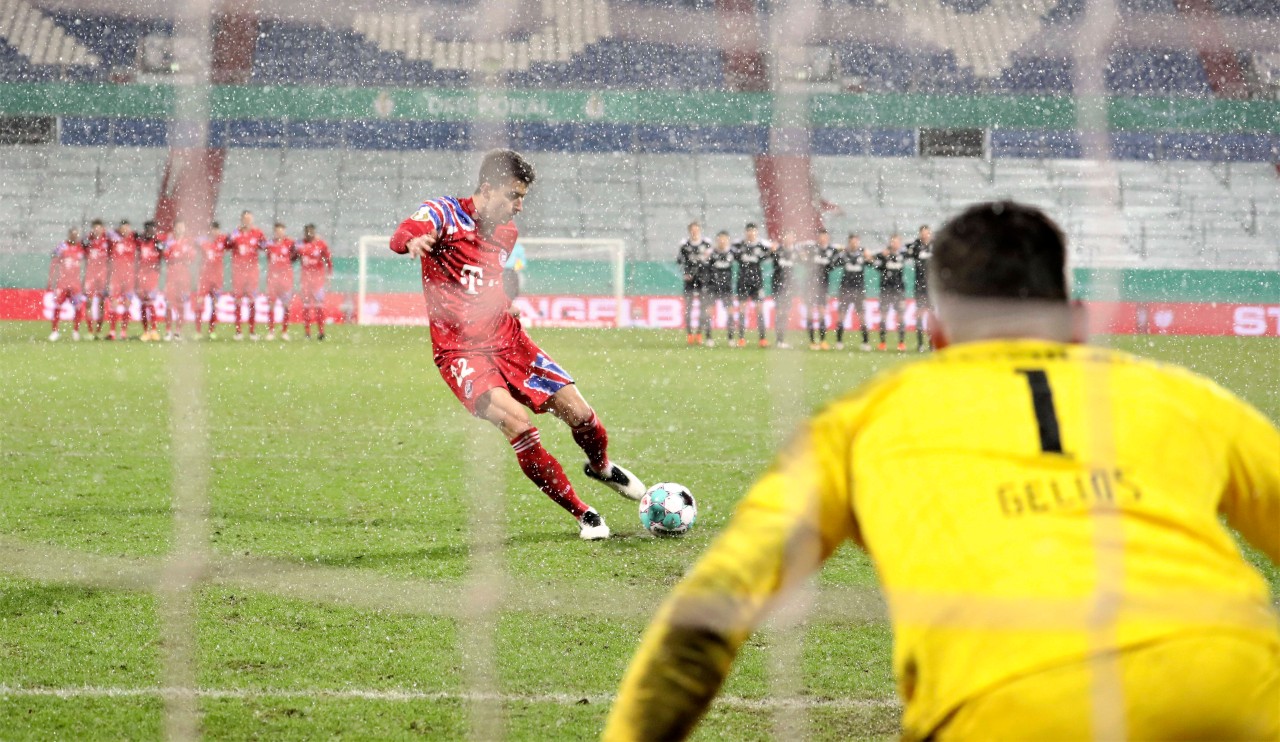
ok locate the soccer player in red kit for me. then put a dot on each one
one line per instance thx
(97, 250)
(244, 242)
(317, 266)
(482, 351)
(211, 248)
(280, 257)
(150, 256)
(64, 281)
(179, 254)
(124, 274)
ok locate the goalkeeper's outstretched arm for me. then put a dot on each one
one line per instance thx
(789, 523)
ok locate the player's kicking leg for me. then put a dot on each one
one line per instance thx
(500, 408)
(590, 435)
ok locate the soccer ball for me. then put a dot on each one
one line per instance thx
(668, 509)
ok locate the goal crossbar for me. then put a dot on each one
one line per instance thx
(615, 248)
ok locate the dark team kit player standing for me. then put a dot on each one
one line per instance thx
(784, 258)
(717, 285)
(480, 348)
(852, 262)
(691, 256)
(821, 256)
(750, 253)
(920, 252)
(890, 263)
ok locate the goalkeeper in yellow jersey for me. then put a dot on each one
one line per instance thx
(1047, 537)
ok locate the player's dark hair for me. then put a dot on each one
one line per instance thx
(305, 227)
(853, 235)
(125, 222)
(692, 225)
(95, 223)
(823, 231)
(751, 225)
(149, 224)
(502, 165)
(245, 213)
(1001, 250)
(278, 225)
(724, 232)
(922, 228)
(214, 225)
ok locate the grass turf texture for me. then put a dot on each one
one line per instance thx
(349, 460)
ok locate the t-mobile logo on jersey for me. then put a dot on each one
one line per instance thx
(471, 275)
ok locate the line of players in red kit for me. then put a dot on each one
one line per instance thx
(101, 275)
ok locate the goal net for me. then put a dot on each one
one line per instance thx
(562, 282)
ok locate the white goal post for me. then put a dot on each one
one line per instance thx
(555, 266)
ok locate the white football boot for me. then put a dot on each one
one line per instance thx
(53, 336)
(591, 527)
(619, 480)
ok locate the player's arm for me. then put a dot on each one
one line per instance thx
(53, 267)
(417, 235)
(1251, 503)
(790, 522)
(328, 259)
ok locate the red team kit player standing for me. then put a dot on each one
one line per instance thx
(120, 265)
(486, 358)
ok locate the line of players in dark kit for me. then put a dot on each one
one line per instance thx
(728, 276)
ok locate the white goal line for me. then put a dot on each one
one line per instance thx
(400, 695)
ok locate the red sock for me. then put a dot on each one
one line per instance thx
(594, 442)
(543, 470)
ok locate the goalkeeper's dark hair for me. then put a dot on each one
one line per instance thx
(1001, 250)
(502, 165)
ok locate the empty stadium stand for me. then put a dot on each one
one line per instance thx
(1163, 215)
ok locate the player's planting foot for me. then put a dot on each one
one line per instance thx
(53, 336)
(783, 345)
(320, 336)
(710, 343)
(213, 335)
(902, 347)
(813, 346)
(619, 480)
(253, 336)
(591, 527)
(839, 346)
(688, 339)
(145, 337)
(881, 346)
(237, 337)
(764, 343)
(922, 349)
(271, 336)
(75, 335)
(111, 336)
(866, 347)
(742, 342)
(284, 336)
(823, 345)
(697, 338)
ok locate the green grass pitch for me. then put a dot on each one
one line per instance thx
(341, 500)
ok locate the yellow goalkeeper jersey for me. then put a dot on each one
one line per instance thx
(1027, 504)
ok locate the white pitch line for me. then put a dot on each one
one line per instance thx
(359, 694)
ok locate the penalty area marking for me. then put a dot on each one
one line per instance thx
(358, 694)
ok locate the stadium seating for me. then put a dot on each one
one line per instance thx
(1182, 214)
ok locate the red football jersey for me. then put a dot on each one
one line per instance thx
(179, 254)
(315, 258)
(64, 271)
(97, 253)
(211, 259)
(462, 276)
(280, 257)
(244, 246)
(150, 253)
(124, 262)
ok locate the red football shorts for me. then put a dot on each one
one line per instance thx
(148, 284)
(244, 284)
(522, 369)
(279, 285)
